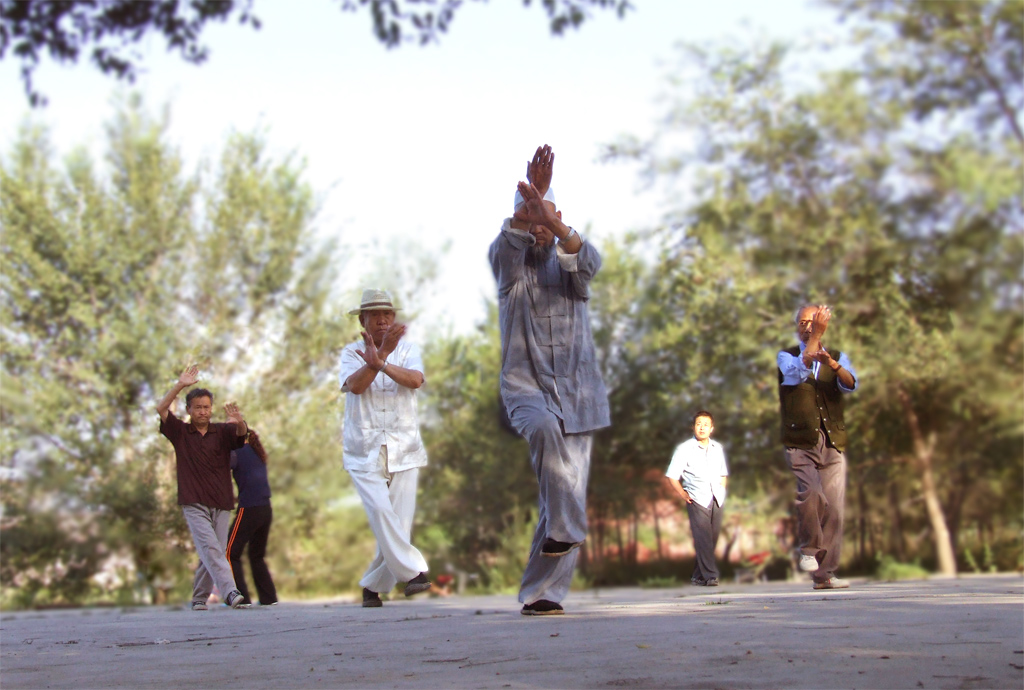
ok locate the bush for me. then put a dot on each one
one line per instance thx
(891, 570)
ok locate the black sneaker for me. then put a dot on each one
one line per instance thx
(696, 581)
(371, 600)
(557, 549)
(418, 584)
(542, 607)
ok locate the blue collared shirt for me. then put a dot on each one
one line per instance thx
(795, 372)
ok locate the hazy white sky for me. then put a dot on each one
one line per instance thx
(423, 145)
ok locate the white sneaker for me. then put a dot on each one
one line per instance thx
(832, 583)
(808, 564)
(236, 601)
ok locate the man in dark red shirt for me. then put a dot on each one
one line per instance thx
(202, 452)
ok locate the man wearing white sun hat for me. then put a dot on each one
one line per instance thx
(383, 452)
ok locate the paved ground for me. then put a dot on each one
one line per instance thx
(962, 633)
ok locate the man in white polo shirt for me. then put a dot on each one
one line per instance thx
(699, 475)
(383, 451)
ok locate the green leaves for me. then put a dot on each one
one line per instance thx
(889, 189)
(111, 284)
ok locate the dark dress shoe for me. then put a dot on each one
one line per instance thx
(543, 607)
(371, 600)
(418, 584)
(557, 549)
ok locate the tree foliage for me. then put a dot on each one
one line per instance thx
(111, 284)
(889, 188)
(109, 31)
(885, 190)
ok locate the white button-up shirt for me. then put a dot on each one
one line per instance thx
(383, 415)
(700, 471)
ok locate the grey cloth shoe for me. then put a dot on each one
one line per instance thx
(832, 583)
(199, 606)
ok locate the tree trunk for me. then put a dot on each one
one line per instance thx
(896, 542)
(732, 537)
(657, 530)
(635, 538)
(924, 449)
(862, 510)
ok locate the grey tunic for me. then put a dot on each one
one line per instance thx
(547, 350)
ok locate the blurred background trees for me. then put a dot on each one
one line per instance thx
(887, 184)
(109, 32)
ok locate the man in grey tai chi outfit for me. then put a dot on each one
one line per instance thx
(550, 383)
(813, 380)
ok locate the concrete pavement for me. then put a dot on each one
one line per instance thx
(940, 633)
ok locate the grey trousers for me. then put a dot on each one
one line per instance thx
(820, 503)
(705, 525)
(209, 528)
(562, 465)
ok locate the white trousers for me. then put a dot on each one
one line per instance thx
(390, 503)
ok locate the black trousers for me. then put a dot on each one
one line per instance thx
(705, 525)
(252, 527)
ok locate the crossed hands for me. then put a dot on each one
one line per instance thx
(534, 211)
(375, 357)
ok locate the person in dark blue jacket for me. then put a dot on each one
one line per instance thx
(252, 522)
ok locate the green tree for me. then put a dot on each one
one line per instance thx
(112, 283)
(479, 498)
(863, 192)
(62, 31)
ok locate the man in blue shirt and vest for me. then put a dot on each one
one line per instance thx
(813, 380)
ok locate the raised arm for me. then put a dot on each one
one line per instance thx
(235, 417)
(818, 326)
(841, 367)
(187, 378)
(541, 169)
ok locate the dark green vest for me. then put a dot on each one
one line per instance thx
(812, 405)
